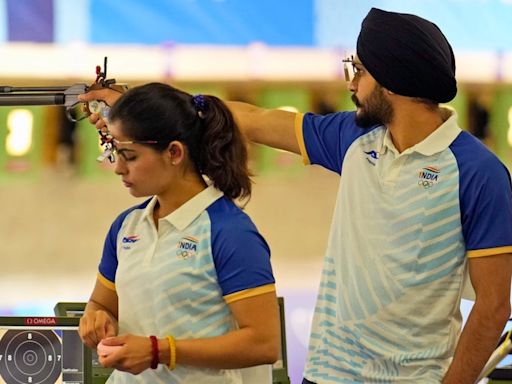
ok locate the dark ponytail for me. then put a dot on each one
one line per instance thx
(223, 152)
(203, 123)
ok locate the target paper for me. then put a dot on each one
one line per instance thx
(30, 357)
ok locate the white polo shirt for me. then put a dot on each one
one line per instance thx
(388, 305)
(179, 279)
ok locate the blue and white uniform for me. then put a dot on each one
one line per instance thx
(403, 228)
(178, 279)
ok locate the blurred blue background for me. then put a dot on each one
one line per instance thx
(468, 24)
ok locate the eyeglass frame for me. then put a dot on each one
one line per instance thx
(346, 61)
(109, 143)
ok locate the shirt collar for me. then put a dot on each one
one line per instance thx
(436, 142)
(182, 217)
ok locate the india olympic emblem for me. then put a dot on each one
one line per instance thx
(186, 247)
(428, 177)
(425, 183)
(31, 357)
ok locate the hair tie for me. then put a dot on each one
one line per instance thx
(200, 104)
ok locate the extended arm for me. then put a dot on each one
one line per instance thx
(490, 276)
(271, 127)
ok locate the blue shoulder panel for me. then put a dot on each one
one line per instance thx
(485, 195)
(241, 255)
(108, 263)
(328, 137)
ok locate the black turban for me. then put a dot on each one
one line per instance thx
(407, 55)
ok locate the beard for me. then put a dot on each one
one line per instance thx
(375, 110)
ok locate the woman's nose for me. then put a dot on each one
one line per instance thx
(119, 167)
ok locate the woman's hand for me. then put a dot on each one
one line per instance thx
(96, 325)
(134, 356)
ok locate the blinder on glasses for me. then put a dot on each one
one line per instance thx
(349, 69)
(109, 145)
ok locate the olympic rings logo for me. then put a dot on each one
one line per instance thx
(426, 184)
(183, 254)
(187, 247)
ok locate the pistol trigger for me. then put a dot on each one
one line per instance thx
(69, 115)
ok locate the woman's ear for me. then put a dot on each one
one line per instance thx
(176, 152)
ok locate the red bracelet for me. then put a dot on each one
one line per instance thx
(154, 352)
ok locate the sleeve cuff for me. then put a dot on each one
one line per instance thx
(489, 251)
(107, 283)
(249, 293)
(299, 117)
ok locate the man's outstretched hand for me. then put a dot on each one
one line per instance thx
(107, 95)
